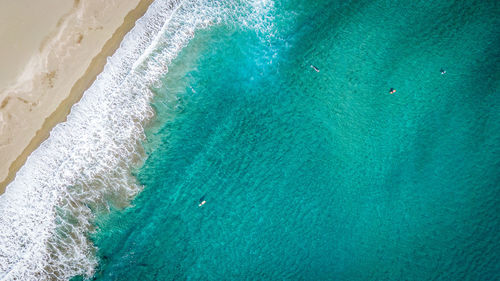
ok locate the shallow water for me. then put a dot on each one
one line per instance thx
(322, 175)
(306, 175)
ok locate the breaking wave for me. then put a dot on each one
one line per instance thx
(83, 168)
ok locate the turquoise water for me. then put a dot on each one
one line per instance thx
(322, 175)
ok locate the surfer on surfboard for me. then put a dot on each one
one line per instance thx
(202, 201)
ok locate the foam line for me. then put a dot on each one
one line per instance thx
(85, 164)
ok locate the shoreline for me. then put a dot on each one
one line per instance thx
(62, 110)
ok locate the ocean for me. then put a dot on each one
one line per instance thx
(278, 115)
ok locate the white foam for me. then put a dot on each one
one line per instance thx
(45, 212)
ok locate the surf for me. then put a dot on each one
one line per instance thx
(83, 168)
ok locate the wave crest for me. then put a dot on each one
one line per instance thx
(84, 166)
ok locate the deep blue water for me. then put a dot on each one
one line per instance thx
(322, 175)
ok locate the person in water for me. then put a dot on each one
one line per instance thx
(202, 201)
(392, 91)
(442, 71)
(315, 68)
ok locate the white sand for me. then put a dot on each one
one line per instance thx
(51, 51)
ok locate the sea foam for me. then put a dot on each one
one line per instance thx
(84, 166)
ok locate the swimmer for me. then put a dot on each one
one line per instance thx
(442, 71)
(202, 201)
(392, 91)
(315, 68)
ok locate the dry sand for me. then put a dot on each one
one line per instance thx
(51, 53)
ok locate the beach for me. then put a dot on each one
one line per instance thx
(202, 145)
(51, 53)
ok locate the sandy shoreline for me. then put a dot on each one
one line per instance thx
(69, 60)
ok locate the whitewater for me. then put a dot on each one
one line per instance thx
(83, 168)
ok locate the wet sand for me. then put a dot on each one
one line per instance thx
(42, 79)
